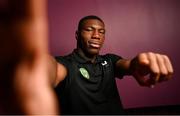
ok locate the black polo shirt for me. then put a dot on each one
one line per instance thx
(89, 88)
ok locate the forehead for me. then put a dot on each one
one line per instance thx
(94, 23)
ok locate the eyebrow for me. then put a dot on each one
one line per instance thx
(102, 28)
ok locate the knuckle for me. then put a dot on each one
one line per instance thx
(165, 56)
(142, 58)
(150, 53)
(158, 55)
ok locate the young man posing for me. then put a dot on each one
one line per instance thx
(85, 81)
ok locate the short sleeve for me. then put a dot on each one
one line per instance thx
(114, 58)
(61, 60)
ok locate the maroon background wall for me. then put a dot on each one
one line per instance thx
(133, 26)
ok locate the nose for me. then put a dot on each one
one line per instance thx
(96, 35)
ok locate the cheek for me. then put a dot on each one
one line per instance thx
(85, 38)
(86, 35)
(83, 42)
(102, 40)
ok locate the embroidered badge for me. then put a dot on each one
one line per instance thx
(84, 73)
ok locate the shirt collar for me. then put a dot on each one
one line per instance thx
(82, 60)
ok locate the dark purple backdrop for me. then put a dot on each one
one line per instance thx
(133, 26)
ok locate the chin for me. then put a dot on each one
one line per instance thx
(94, 51)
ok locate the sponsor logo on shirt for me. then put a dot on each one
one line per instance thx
(104, 63)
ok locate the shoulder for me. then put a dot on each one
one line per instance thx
(63, 59)
(111, 56)
(63, 67)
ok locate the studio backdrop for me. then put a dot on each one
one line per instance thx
(132, 26)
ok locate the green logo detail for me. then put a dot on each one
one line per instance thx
(84, 73)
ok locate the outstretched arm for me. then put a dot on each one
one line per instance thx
(24, 78)
(147, 68)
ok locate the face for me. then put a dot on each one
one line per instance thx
(91, 37)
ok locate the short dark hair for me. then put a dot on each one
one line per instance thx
(81, 22)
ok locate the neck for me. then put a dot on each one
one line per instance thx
(86, 56)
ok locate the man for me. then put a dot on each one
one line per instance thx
(85, 81)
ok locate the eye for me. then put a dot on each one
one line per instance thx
(88, 29)
(102, 31)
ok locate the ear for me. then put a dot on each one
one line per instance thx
(77, 35)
